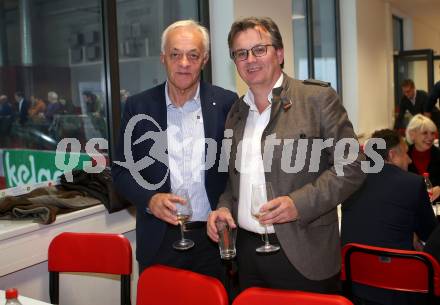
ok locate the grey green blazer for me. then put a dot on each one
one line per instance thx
(307, 113)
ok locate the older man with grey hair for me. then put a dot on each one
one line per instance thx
(54, 106)
(192, 112)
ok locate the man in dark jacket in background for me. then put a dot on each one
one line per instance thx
(22, 106)
(387, 211)
(414, 101)
(431, 107)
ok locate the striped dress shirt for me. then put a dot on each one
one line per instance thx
(186, 152)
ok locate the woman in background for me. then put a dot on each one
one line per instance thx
(420, 134)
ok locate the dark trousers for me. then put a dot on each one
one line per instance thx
(274, 270)
(203, 258)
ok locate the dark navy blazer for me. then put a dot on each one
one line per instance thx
(386, 211)
(215, 103)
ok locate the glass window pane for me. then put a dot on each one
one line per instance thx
(397, 34)
(51, 72)
(140, 25)
(324, 41)
(299, 24)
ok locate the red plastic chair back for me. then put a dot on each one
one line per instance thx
(93, 253)
(163, 285)
(266, 296)
(393, 269)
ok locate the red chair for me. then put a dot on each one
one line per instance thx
(162, 285)
(266, 296)
(392, 269)
(90, 252)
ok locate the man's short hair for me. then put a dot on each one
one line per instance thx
(19, 94)
(186, 23)
(408, 83)
(264, 23)
(392, 140)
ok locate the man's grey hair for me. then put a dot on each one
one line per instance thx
(52, 96)
(186, 23)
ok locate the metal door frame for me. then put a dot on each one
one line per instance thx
(429, 53)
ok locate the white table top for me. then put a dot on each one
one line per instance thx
(24, 300)
(24, 243)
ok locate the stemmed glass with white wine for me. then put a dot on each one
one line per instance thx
(183, 213)
(262, 193)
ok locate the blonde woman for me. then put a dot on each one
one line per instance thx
(420, 134)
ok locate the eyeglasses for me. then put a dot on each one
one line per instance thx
(243, 54)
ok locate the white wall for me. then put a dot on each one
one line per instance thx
(366, 43)
(281, 13)
(375, 65)
(418, 34)
(426, 38)
(349, 57)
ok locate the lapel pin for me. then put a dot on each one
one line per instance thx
(213, 103)
(287, 103)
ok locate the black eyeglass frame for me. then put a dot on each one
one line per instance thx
(232, 54)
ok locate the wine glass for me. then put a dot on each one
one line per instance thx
(262, 193)
(183, 213)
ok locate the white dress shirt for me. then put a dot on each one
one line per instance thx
(251, 161)
(186, 152)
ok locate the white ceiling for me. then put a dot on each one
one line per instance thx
(425, 11)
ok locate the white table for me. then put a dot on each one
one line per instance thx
(24, 300)
(23, 255)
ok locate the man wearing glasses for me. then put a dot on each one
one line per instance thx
(275, 115)
(190, 111)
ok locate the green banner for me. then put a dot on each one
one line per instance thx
(22, 166)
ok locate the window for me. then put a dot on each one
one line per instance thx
(299, 24)
(324, 38)
(140, 25)
(58, 79)
(52, 82)
(316, 40)
(397, 34)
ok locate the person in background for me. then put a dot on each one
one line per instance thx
(91, 102)
(414, 101)
(421, 133)
(190, 110)
(124, 94)
(431, 107)
(69, 107)
(303, 217)
(54, 106)
(38, 107)
(23, 107)
(389, 208)
(5, 107)
(6, 119)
